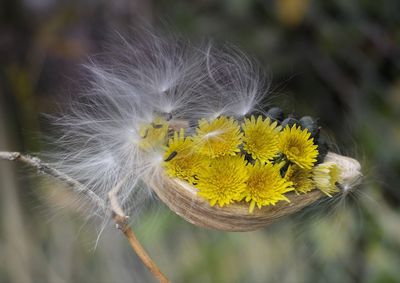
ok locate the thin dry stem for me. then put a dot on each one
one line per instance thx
(44, 168)
(112, 196)
(122, 224)
(119, 217)
(121, 221)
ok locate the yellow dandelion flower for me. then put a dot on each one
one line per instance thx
(153, 135)
(325, 176)
(265, 185)
(298, 146)
(224, 181)
(261, 138)
(181, 160)
(301, 179)
(219, 137)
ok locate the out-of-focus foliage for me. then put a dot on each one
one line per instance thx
(336, 60)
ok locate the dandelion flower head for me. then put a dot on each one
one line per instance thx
(298, 146)
(265, 186)
(301, 178)
(181, 159)
(153, 135)
(219, 137)
(261, 138)
(326, 175)
(224, 181)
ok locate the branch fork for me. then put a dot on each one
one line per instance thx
(121, 220)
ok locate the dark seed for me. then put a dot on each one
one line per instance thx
(275, 113)
(289, 122)
(157, 126)
(310, 124)
(168, 116)
(171, 156)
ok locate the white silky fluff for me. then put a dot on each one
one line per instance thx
(148, 76)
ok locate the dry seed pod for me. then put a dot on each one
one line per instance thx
(182, 198)
(113, 138)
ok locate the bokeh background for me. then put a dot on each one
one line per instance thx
(337, 60)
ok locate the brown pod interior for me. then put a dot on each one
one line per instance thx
(182, 198)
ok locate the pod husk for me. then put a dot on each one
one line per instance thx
(182, 198)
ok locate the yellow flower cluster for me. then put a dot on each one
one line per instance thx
(255, 161)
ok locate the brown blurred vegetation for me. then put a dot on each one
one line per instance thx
(336, 60)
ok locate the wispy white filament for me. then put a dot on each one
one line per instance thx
(145, 78)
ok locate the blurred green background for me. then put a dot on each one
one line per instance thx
(337, 60)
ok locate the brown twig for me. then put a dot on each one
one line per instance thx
(44, 168)
(120, 219)
(122, 224)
